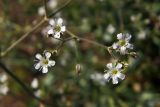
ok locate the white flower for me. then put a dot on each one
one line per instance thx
(34, 83)
(111, 29)
(4, 89)
(3, 77)
(52, 4)
(38, 93)
(142, 34)
(98, 77)
(57, 28)
(114, 72)
(123, 43)
(44, 62)
(41, 11)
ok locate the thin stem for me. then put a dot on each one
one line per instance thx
(45, 7)
(59, 9)
(22, 84)
(34, 28)
(86, 40)
(23, 37)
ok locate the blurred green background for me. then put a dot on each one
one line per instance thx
(98, 20)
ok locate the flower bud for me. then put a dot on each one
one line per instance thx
(78, 69)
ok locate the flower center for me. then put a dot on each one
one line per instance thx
(122, 42)
(45, 61)
(57, 28)
(114, 72)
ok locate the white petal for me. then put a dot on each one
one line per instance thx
(115, 45)
(128, 37)
(57, 35)
(109, 65)
(39, 56)
(130, 46)
(52, 22)
(115, 80)
(48, 55)
(121, 76)
(119, 65)
(107, 76)
(52, 63)
(120, 36)
(63, 28)
(44, 70)
(123, 50)
(59, 21)
(37, 65)
(50, 32)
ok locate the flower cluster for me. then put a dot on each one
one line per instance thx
(115, 70)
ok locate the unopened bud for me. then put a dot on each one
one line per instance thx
(78, 69)
(133, 54)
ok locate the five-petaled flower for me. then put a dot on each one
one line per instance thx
(123, 44)
(114, 72)
(44, 62)
(57, 28)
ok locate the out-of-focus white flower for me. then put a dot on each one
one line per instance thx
(114, 72)
(111, 29)
(4, 89)
(136, 17)
(41, 11)
(44, 62)
(98, 77)
(123, 43)
(3, 77)
(34, 83)
(141, 34)
(52, 4)
(38, 93)
(57, 28)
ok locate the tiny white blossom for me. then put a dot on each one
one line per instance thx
(34, 83)
(123, 44)
(114, 72)
(98, 77)
(52, 4)
(44, 62)
(4, 89)
(38, 93)
(41, 11)
(142, 34)
(57, 28)
(111, 29)
(3, 77)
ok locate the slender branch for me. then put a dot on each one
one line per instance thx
(59, 9)
(23, 85)
(22, 37)
(86, 40)
(34, 28)
(45, 7)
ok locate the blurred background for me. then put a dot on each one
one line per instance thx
(98, 20)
